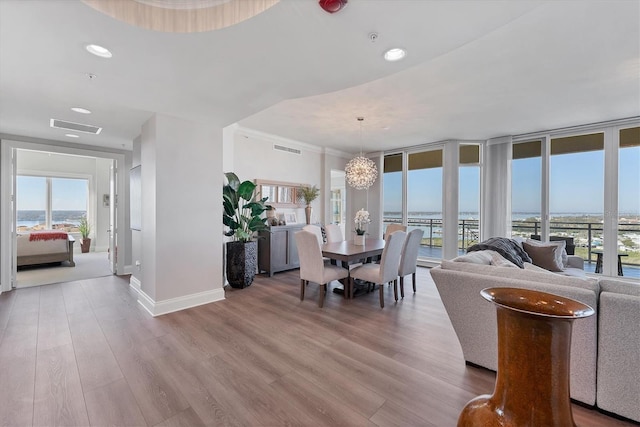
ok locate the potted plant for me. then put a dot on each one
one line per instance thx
(242, 217)
(361, 220)
(85, 229)
(308, 194)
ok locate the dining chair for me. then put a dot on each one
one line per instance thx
(317, 231)
(312, 267)
(409, 258)
(394, 227)
(334, 233)
(386, 271)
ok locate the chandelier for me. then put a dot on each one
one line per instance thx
(360, 171)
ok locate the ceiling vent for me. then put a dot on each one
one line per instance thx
(287, 149)
(77, 127)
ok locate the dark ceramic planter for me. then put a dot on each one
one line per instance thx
(242, 262)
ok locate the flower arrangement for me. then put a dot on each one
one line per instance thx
(361, 219)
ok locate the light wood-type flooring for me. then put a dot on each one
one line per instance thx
(85, 353)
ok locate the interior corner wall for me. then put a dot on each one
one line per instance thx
(182, 177)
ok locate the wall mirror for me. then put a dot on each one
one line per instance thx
(280, 194)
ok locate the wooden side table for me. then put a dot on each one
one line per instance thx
(534, 343)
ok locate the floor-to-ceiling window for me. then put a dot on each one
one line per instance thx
(574, 203)
(469, 196)
(392, 190)
(424, 199)
(629, 200)
(526, 193)
(576, 192)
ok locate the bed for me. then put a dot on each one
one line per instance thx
(42, 247)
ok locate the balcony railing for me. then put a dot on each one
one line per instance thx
(588, 236)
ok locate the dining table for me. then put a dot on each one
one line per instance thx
(347, 252)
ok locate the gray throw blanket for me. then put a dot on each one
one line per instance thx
(508, 248)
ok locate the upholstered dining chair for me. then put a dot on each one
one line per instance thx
(334, 233)
(317, 231)
(409, 258)
(394, 227)
(312, 267)
(386, 271)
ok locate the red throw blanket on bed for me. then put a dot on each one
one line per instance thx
(47, 235)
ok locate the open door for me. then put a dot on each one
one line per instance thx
(113, 206)
(8, 265)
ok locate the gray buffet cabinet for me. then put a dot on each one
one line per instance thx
(277, 250)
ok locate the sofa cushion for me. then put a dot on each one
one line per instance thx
(546, 256)
(620, 287)
(521, 274)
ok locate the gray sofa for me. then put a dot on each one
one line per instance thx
(605, 347)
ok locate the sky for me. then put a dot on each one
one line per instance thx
(576, 183)
(68, 194)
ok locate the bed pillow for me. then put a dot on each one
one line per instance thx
(548, 256)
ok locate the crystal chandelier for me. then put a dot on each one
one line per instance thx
(360, 171)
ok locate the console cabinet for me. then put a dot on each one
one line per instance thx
(277, 250)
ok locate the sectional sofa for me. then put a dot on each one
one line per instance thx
(605, 348)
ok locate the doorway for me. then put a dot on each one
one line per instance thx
(51, 188)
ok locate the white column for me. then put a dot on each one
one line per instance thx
(496, 189)
(450, 178)
(182, 180)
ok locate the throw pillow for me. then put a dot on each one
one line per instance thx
(548, 257)
(500, 261)
(562, 243)
(477, 257)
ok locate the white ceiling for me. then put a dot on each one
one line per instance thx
(474, 70)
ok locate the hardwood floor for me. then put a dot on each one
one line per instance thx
(85, 353)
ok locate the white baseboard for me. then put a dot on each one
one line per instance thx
(128, 269)
(135, 284)
(175, 304)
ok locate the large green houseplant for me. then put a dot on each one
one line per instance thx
(242, 218)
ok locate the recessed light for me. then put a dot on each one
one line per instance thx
(70, 135)
(80, 110)
(99, 51)
(394, 54)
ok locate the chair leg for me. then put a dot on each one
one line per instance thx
(402, 287)
(413, 276)
(381, 286)
(302, 289)
(395, 289)
(322, 293)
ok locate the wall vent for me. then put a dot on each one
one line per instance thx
(77, 127)
(287, 149)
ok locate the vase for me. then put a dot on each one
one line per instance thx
(358, 239)
(307, 213)
(534, 343)
(242, 262)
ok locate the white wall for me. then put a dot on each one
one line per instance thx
(255, 158)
